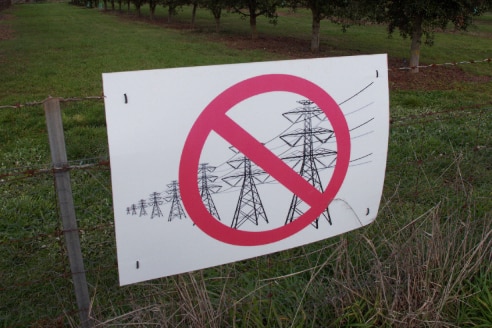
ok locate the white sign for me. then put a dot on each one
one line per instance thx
(217, 164)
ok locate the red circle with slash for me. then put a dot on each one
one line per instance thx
(214, 118)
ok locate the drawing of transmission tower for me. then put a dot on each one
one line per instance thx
(207, 188)
(308, 138)
(249, 206)
(175, 200)
(142, 206)
(132, 209)
(155, 201)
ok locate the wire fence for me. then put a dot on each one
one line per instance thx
(36, 285)
(486, 60)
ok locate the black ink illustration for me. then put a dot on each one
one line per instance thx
(207, 187)
(175, 200)
(307, 145)
(249, 206)
(142, 205)
(310, 156)
(155, 201)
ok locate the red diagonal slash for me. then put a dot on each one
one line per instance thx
(214, 118)
(268, 161)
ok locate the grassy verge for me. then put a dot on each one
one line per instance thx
(424, 262)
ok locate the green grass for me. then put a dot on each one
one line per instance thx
(424, 262)
(61, 53)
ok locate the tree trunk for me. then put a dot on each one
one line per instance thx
(152, 5)
(315, 31)
(170, 14)
(216, 12)
(217, 24)
(252, 25)
(415, 45)
(193, 14)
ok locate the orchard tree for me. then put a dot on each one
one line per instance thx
(152, 5)
(419, 19)
(255, 8)
(194, 5)
(320, 9)
(138, 4)
(172, 7)
(342, 12)
(215, 7)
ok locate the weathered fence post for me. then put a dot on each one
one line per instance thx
(67, 210)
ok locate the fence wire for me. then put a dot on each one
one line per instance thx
(463, 62)
(101, 97)
(35, 277)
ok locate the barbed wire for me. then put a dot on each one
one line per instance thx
(41, 102)
(74, 99)
(57, 233)
(407, 68)
(29, 173)
(104, 231)
(407, 120)
(10, 174)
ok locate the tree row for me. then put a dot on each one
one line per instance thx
(414, 19)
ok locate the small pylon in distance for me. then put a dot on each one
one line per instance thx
(155, 201)
(177, 210)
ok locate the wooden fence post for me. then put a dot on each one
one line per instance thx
(67, 210)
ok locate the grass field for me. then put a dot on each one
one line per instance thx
(425, 262)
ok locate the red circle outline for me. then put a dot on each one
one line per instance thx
(190, 157)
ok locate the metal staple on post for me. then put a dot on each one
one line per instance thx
(67, 210)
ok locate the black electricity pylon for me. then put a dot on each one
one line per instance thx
(155, 201)
(249, 206)
(134, 209)
(307, 138)
(142, 205)
(207, 187)
(175, 200)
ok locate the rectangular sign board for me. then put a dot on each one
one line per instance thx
(217, 164)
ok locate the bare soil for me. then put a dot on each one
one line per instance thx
(429, 78)
(5, 30)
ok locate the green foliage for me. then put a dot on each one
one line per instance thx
(254, 9)
(430, 15)
(267, 8)
(419, 20)
(476, 308)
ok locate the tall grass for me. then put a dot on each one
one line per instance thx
(425, 262)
